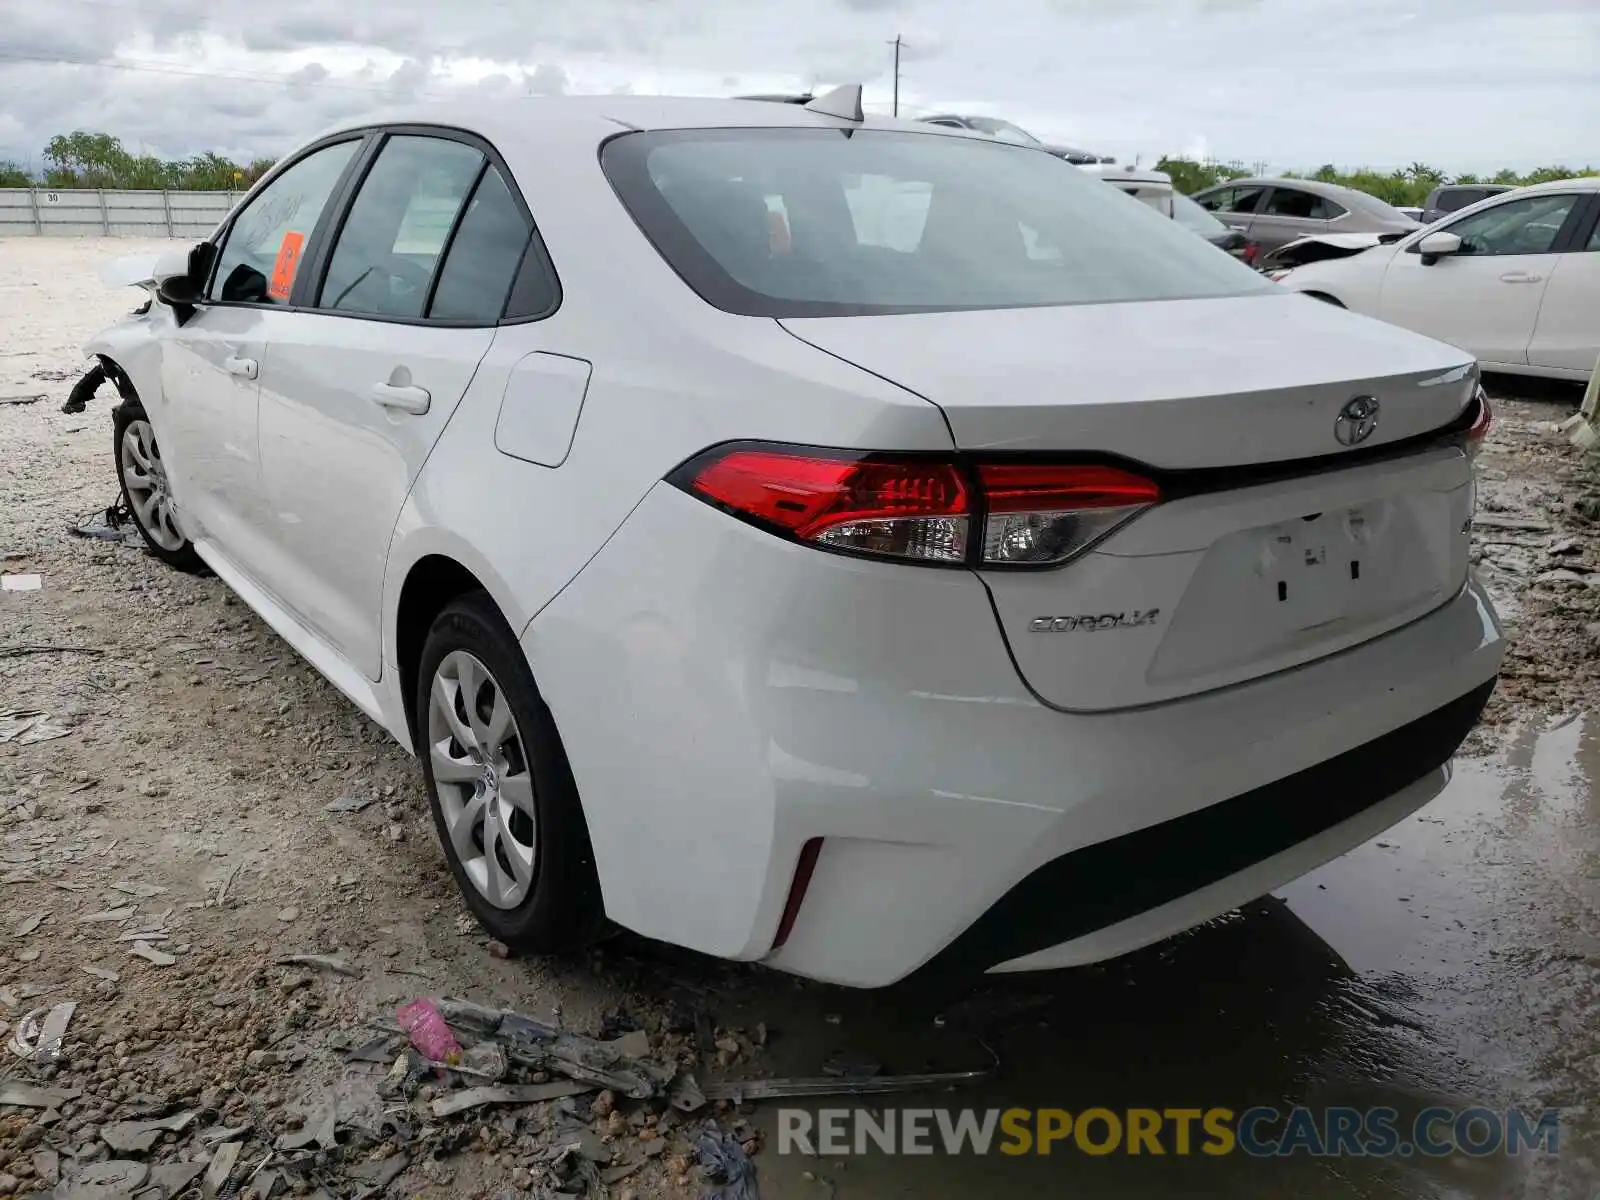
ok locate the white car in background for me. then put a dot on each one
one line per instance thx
(1514, 280)
(1010, 582)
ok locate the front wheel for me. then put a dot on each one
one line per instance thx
(146, 490)
(504, 801)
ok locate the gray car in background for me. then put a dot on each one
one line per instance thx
(1275, 212)
(1453, 197)
(1005, 131)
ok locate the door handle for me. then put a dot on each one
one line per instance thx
(244, 368)
(412, 400)
(1520, 277)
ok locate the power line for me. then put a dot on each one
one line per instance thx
(898, 43)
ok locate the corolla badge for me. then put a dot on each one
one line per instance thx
(1357, 419)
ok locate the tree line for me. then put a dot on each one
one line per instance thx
(99, 160)
(1405, 188)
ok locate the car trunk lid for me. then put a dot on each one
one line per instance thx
(1268, 550)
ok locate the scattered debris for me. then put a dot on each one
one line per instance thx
(105, 973)
(150, 954)
(324, 962)
(429, 1031)
(21, 583)
(111, 524)
(347, 804)
(136, 1137)
(525, 1093)
(25, 1095)
(864, 1085)
(227, 882)
(25, 398)
(289, 914)
(534, 1043)
(217, 1174)
(39, 1034)
(27, 726)
(143, 891)
(28, 924)
(112, 916)
(382, 1173)
(27, 648)
(174, 1178)
(725, 1163)
(109, 1180)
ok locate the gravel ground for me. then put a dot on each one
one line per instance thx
(196, 798)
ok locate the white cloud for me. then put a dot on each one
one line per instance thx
(1462, 84)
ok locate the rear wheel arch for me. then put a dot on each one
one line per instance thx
(433, 581)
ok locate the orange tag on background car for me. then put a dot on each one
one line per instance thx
(286, 264)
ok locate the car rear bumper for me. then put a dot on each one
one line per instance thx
(725, 697)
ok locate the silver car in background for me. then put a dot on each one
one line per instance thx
(1275, 212)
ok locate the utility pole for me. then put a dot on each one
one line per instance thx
(897, 44)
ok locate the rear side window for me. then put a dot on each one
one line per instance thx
(383, 262)
(261, 252)
(484, 255)
(1458, 198)
(803, 222)
(1287, 202)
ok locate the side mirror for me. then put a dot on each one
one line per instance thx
(178, 291)
(1435, 246)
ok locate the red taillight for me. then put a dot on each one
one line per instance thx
(1252, 251)
(906, 508)
(1035, 514)
(803, 870)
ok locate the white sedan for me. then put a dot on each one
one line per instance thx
(1011, 591)
(1514, 280)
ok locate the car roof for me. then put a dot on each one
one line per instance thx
(1315, 186)
(524, 119)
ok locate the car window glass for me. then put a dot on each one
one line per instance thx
(799, 222)
(484, 255)
(1594, 239)
(264, 244)
(1239, 200)
(384, 259)
(1526, 226)
(1288, 202)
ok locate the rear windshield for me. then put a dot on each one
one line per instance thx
(1370, 205)
(821, 222)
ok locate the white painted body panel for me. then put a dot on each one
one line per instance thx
(724, 695)
(1567, 335)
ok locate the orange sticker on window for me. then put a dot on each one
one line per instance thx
(287, 263)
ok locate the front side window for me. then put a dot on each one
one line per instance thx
(1233, 200)
(1526, 226)
(383, 262)
(263, 247)
(878, 221)
(1308, 206)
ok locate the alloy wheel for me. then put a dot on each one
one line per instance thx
(480, 769)
(149, 493)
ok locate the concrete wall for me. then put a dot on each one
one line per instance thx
(32, 212)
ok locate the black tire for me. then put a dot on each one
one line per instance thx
(562, 910)
(181, 556)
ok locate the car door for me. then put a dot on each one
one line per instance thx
(1486, 298)
(1234, 205)
(364, 376)
(210, 365)
(1288, 214)
(1567, 334)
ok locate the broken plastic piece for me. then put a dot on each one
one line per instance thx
(527, 1093)
(726, 1165)
(429, 1032)
(39, 1034)
(876, 1085)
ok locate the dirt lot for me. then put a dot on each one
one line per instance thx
(214, 794)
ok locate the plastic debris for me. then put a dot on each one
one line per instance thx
(25, 398)
(324, 962)
(347, 804)
(726, 1165)
(222, 1163)
(429, 1032)
(174, 1178)
(1582, 429)
(137, 1137)
(110, 1180)
(142, 891)
(113, 916)
(524, 1093)
(535, 1043)
(26, 1095)
(39, 1034)
(105, 973)
(871, 1085)
(28, 924)
(21, 583)
(111, 524)
(150, 954)
(26, 726)
(382, 1173)
(83, 391)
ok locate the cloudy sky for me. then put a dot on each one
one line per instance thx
(1462, 84)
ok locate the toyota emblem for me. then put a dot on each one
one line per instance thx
(1357, 419)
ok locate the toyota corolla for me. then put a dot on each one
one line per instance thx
(813, 538)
